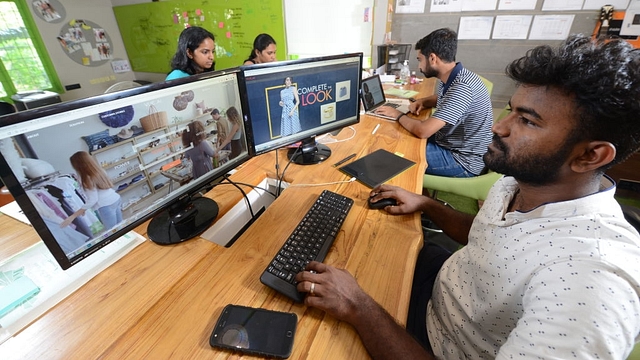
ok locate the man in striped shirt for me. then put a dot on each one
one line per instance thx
(459, 129)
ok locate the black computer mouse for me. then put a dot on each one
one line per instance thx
(381, 204)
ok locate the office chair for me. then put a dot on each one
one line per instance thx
(122, 85)
(6, 108)
(488, 84)
(475, 188)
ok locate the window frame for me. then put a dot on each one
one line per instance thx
(41, 51)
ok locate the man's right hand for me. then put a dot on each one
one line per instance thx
(335, 291)
(407, 202)
(416, 106)
(422, 104)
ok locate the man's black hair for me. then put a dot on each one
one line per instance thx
(604, 80)
(442, 42)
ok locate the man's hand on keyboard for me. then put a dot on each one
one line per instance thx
(337, 293)
(388, 111)
(334, 290)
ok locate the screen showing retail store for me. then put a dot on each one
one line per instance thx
(296, 100)
(88, 171)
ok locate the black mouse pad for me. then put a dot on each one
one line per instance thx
(377, 167)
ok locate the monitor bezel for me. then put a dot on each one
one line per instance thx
(22, 199)
(294, 138)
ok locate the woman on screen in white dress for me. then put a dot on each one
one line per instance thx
(289, 100)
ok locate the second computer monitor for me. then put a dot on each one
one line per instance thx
(296, 100)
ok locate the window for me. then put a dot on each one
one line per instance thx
(24, 62)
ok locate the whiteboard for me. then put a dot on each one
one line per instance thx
(328, 27)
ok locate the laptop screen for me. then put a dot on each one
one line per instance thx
(372, 92)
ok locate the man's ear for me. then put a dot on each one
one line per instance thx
(433, 58)
(595, 154)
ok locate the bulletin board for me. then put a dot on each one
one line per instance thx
(150, 31)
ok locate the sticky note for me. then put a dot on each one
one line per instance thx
(228, 34)
(198, 12)
(16, 293)
(220, 25)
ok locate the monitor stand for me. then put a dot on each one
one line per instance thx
(182, 221)
(309, 152)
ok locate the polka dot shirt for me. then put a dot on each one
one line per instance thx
(561, 281)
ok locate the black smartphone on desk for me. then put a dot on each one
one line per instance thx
(255, 331)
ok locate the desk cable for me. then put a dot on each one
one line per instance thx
(297, 152)
(323, 139)
(259, 188)
(277, 167)
(246, 198)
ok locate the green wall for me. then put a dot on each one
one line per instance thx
(150, 31)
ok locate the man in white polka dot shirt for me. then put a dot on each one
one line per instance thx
(551, 268)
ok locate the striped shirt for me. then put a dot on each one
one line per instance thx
(465, 107)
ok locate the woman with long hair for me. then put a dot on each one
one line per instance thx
(202, 151)
(264, 50)
(234, 137)
(195, 53)
(98, 190)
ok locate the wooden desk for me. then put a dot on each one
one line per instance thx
(162, 302)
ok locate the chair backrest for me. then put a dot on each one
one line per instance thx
(122, 85)
(502, 114)
(476, 187)
(488, 84)
(6, 108)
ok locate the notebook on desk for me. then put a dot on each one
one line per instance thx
(373, 97)
(377, 167)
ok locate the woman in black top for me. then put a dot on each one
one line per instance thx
(264, 50)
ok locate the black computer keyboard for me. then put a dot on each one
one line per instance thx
(310, 241)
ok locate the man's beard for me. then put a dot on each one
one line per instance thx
(533, 169)
(429, 73)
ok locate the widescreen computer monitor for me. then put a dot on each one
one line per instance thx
(296, 100)
(152, 145)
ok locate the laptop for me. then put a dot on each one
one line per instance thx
(372, 95)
